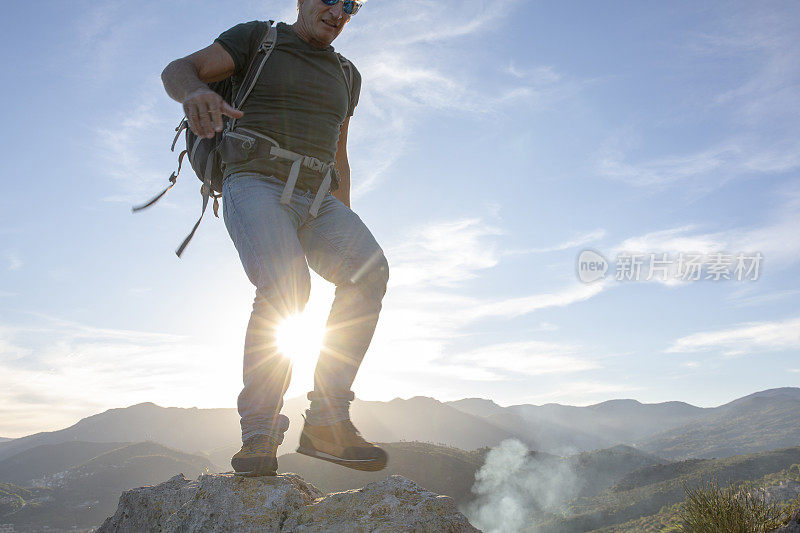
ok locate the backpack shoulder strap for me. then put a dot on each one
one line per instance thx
(347, 70)
(263, 52)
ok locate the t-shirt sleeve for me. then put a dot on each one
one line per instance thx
(240, 42)
(355, 91)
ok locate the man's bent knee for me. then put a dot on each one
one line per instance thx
(373, 275)
(281, 301)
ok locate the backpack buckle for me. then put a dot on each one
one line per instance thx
(313, 163)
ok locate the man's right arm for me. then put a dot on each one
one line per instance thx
(185, 81)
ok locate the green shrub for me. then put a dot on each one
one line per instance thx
(736, 508)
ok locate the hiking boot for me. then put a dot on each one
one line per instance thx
(341, 443)
(257, 457)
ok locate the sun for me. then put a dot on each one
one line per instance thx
(300, 338)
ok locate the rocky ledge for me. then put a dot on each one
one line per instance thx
(224, 502)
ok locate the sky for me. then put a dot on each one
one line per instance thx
(493, 143)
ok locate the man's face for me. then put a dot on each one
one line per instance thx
(322, 22)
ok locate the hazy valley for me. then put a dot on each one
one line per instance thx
(617, 465)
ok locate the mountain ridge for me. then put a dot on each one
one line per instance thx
(667, 429)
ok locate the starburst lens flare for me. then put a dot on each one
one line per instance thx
(300, 338)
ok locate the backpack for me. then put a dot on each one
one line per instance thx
(203, 153)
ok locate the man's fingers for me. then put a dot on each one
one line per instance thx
(216, 117)
(231, 111)
(194, 124)
(204, 109)
(205, 121)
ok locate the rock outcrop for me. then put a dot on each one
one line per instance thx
(224, 502)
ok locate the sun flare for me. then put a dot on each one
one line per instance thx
(300, 338)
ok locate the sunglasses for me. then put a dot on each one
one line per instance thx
(350, 7)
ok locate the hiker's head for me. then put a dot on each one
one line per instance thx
(320, 21)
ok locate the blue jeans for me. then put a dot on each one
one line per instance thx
(276, 244)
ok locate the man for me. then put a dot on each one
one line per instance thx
(300, 103)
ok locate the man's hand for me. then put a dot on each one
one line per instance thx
(204, 109)
(185, 81)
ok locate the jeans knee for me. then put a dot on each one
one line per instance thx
(279, 300)
(374, 275)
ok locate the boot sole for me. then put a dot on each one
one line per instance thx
(365, 465)
(256, 474)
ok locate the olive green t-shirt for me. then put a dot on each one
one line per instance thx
(300, 98)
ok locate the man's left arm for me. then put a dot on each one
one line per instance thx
(343, 166)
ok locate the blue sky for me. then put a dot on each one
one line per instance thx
(493, 142)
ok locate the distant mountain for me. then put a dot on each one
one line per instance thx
(566, 429)
(544, 435)
(762, 421)
(614, 421)
(477, 406)
(427, 420)
(86, 492)
(216, 433)
(5, 439)
(780, 392)
(45, 459)
(192, 429)
(417, 419)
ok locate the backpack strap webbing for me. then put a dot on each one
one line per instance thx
(254, 70)
(347, 70)
(263, 52)
(172, 179)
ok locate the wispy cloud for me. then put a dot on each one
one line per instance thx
(444, 253)
(58, 370)
(579, 240)
(14, 261)
(528, 358)
(702, 170)
(541, 73)
(768, 35)
(760, 108)
(426, 22)
(668, 170)
(747, 298)
(105, 33)
(413, 63)
(511, 307)
(774, 238)
(427, 311)
(135, 151)
(748, 338)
